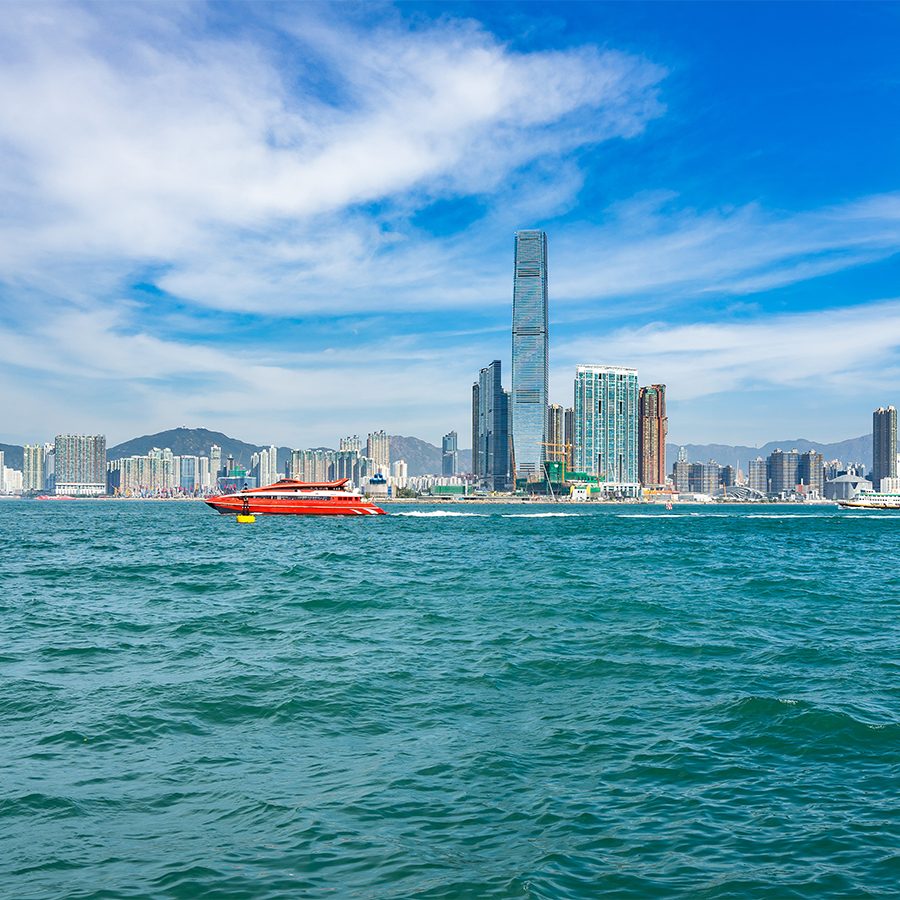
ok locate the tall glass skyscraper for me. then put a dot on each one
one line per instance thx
(528, 411)
(884, 445)
(490, 449)
(606, 423)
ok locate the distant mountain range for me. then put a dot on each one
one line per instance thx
(423, 458)
(852, 450)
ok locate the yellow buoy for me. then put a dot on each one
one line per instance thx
(246, 518)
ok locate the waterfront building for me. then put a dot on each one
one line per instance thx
(351, 444)
(492, 433)
(811, 472)
(189, 473)
(313, 465)
(845, 487)
(528, 406)
(569, 433)
(33, 468)
(203, 474)
(781, 471)
(606, 424)
(727, 476)
(653, 428)
(378, 447)
(681, 472)
(49, 468)
(758, 479)
(400, 472)
(346, 465)
(80, 465)
(475, 403)
(556, 434)
(449, 454)
(215, 463)
(884, 444)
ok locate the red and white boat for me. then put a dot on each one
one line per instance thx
(297, 498)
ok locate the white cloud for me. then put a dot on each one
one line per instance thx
(838, 349)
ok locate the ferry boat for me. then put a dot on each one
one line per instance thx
(867, 499)
(297, 498)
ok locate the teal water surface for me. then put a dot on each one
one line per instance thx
(613, 701)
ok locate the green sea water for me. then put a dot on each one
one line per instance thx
(464, 702)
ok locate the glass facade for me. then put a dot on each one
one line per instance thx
(606, 423)
(528, 411)
(492, 438)
(884, 444)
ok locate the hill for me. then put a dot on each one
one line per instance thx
(852, 450)
(193, 442)
(12, 455)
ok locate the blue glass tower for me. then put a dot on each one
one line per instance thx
(528, 401)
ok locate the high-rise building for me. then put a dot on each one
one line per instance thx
(475, 462)
(491, 446)
(528, 408)
(681, 472)
(378, 447)
(449, 454)
(758, 479)
(33, 467)
(811, 472)
(884, 444)
(215, 463)
(569, 433)
(351, 443)
(555, 449)
(781, 471)
(606, 423)
(80, 465)
(189, 474)
(203, 473)
(652, 430)
(400, 472)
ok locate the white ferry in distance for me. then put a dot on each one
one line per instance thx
(868, 499)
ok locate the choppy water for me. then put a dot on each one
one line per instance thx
(617, 702)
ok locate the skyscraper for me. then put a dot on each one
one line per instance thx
(81, 464)
(758, 477)
(884, 445)
(606, 423)
(33, 467)
(528, 413)
(652, 430)
(378, 447)
(681, 472)
(475, 405)
(492, 438)
(449, 454)
(569, 430)
(556, 434)
(781, 471)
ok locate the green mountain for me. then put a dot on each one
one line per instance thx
(12, 455)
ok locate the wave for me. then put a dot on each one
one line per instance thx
(540, 515)
(440, 513)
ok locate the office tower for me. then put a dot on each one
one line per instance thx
(33, 467)
(781, 471)
(569, 432)
(378, 447)
(353, 443)
(215, 463)
(555, 449)
(493, 429)
(652, 430)
(80, 465)
(528, 412)
(884, 444)
(449, 454)
(475, 401)
(811, 472)
(606, 423)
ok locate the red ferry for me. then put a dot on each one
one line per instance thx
(297, 498)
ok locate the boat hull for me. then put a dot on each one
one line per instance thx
(299, 506)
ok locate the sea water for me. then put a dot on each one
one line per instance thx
(458, 702)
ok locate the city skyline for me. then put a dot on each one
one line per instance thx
(283, 254)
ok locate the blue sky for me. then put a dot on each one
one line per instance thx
(294, 221)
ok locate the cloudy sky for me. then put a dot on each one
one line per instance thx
(294, 221)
